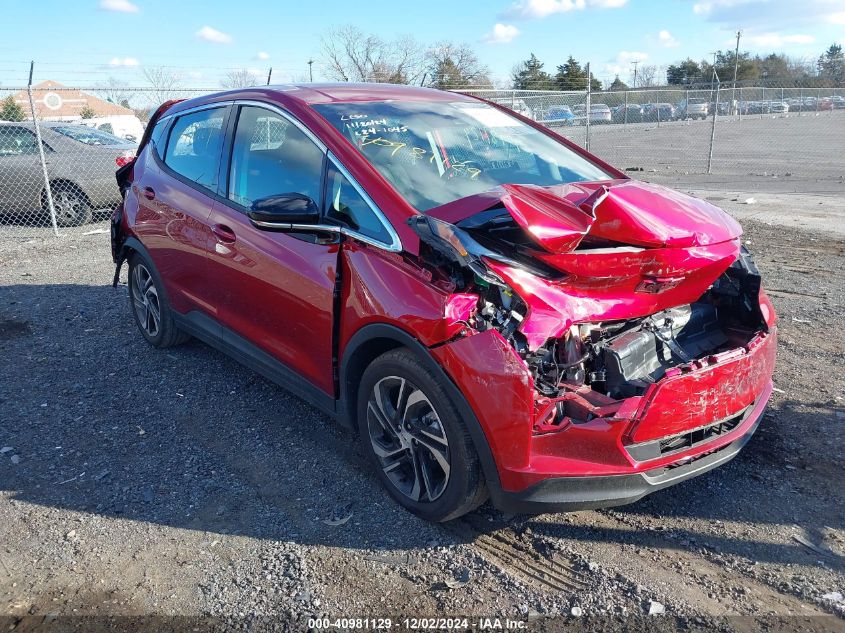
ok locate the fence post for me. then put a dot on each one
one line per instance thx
(713, 128)
(41, 151)
(626, 106)
(587, 111)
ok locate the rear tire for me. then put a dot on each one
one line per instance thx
(416, 439)
(150, 307)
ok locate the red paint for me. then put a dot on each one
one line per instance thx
(281, 293)
(597, 447)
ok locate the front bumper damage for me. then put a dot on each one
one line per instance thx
(618, 342)
(684, 425)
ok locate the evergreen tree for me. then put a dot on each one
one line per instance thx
(529, 75)
(11, 110)
(618, 84)
(685, 72)
(832, 64)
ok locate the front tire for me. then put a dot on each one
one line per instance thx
(416, 439)
(150, 307)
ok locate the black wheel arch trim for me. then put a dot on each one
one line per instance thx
(383, 331)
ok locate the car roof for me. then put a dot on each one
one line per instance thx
(304, 95)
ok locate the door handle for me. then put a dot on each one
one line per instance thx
(223, 233)
(149, 193)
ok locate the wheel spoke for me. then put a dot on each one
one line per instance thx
(416, 489)
(426, 475)
(414, 398)
(438, 452)
(378, 414)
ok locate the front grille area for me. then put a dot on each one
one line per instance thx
(653, 449)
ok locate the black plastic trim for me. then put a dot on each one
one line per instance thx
(567, 494)
(210, 331)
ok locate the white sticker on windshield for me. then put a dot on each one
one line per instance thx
(487, 116)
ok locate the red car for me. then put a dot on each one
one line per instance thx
(494, 311)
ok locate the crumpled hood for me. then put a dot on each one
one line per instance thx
(631, 213)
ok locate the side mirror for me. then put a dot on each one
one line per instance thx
(284, 209)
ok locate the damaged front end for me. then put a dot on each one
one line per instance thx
(638, 317)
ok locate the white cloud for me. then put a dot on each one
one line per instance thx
(213, 35)
(124, 61)
(544, 8)
(122, 6)
(667, 39)
(764, 16)
(621, 64)
(776, 39)
(262, 56)
(501, 34)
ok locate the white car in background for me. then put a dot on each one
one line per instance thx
(516, 105)
(122, 125)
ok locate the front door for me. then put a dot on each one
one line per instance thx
(276, 290)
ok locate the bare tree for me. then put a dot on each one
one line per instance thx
(453, 65)
(647, 76)
(164, 83)
(351, 55)
(115, 90)
(240, 78)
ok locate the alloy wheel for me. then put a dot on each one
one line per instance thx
(69, 206)
(145, 301)
(408, 439)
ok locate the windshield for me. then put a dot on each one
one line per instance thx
(436, 152)
(89, 135)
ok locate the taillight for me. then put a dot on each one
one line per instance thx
(124, 159)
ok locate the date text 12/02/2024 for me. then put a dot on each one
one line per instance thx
(418, 624)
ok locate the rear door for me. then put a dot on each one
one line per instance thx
(176, 191)
(275, 291)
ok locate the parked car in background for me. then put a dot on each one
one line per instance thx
(655, 112)
(779, 107)
(599, 114)
(838, 102)
(693, 109)
(81, 162)
(758, 107)
(494, 309)
(631, 113)
(559, 115)
(517, 105)
(123, 126)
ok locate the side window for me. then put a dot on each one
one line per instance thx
(17, 141)
(346, 206)
(271, 156)
(159, 136)
(194, 146)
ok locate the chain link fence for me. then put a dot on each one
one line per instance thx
(732, 132)
(60, 145)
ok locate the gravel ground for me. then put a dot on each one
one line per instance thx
(177, 483)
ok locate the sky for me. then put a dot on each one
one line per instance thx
(87, 41)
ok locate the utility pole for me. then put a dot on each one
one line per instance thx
(634, 63)
(736, 67)
(310, 72)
